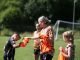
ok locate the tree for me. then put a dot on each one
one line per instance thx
(35, 8)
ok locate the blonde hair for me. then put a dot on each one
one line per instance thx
(69, 34)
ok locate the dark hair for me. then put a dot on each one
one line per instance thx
(17, 34)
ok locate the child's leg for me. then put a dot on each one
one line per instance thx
(12, 57)
(36, 53)
(5, 56)
(41, 57)
(9, 57)
(13, 54)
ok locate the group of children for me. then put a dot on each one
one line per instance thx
(43, 43)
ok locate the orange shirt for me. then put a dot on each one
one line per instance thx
(46, 44)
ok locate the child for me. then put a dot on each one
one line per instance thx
(9, 49)
(68, 51)
(37, 42)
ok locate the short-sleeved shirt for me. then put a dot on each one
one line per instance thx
(8, 48)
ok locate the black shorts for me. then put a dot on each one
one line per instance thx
(45, 56)
(36, 51)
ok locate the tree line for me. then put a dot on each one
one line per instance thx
(20, 15)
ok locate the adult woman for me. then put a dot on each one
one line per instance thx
(47, 39)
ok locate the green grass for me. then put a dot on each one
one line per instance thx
(27, 52)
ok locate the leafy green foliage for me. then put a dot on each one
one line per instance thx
(7, 6)
(23, 13)
(36, 8)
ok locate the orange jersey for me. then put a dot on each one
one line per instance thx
(46, 43)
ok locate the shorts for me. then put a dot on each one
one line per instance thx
(46, 56)
(36, 51)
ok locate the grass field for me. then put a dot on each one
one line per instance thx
(27, 52)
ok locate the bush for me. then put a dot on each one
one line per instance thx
(6, 32)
